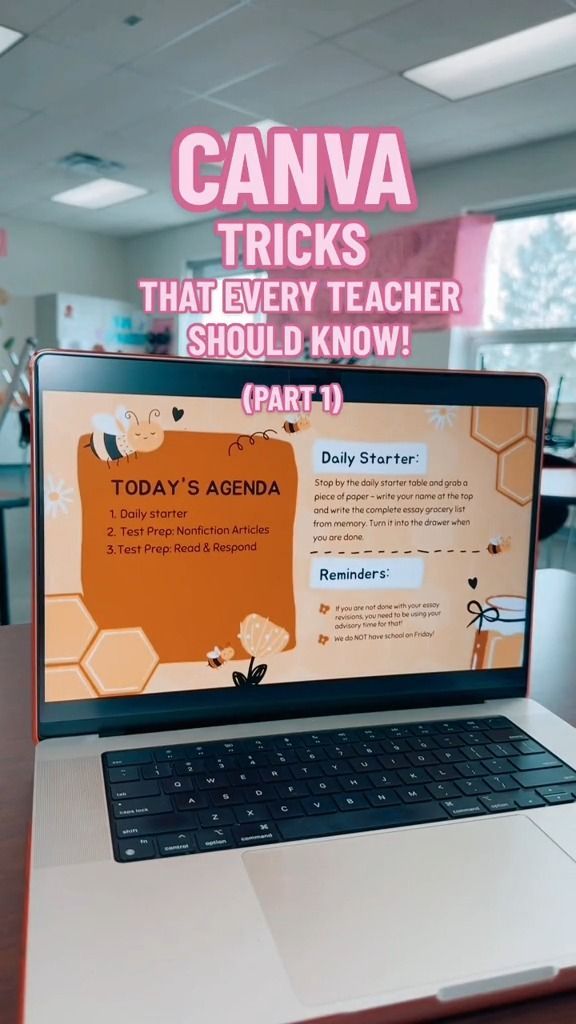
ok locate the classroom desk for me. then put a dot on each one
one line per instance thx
(559, 484)
(554, 657)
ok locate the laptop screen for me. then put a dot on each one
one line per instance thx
(188, 548)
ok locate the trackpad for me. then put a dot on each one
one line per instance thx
(434, 906)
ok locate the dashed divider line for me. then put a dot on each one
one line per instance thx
(396, 551)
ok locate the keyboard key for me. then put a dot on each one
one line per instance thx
(155, 771)
(136, 849)
(472, 787)
(414, 775)
(251, 812)
(323, 786)
(526, 762)
(121, 758)
(421, 743)
(190, 767)
(156, 824)
(176, 785)
(502, 749)
(382, 797)
(394, 763)
(471, 769)
(288, 790)
(493, 802)
(259, 793)
(508, 734)
(127, 790)
(355, 783)
(335, 767)
(528, 747)
(463, 807)
(191, 801)
(286, 809)
(214, 839)
(164, 754)
(500, 783)
(442, 790)
(249, 778)
(444, 773)
(528, 798)
(351, 801)
(475, 753)
(143, 805)
(176, 844)
(545, 777)
(383, 779)
(318, 805)
(123, 774)
(365, 764)
(556, 794)
(424, 758)
(306, 771)
(256, 835)
(215, 780)
(450, 756)
(220, 764)
(497, 765)
(360, 820)
(413, 794)
(227, 797)
(216, 816)
(305, 754)
(274, 774)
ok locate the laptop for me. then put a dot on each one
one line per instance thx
(287, 769)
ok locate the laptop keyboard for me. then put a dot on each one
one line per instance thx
(230, 794)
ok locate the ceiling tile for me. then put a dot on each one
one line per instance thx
(385, 101)
(10, 115)
(28, 15)
(429, 29)
(236, 45)
(309, 77)
(153, 135)
(116, 100)
(328, 17)
(36, 73)
(97, 27)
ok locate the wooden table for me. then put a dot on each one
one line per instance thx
(559, 484)
(7, 500)
(554, 657)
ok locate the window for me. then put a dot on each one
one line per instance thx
(214, 269)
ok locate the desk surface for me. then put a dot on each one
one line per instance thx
(554, 656)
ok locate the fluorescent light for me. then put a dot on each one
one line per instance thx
(528, 54)
(8, 38)
(97, 194)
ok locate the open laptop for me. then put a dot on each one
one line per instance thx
(287, 769)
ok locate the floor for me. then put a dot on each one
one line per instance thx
(559, 552)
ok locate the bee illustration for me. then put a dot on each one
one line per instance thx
(117, 437)
(217, 657)
(499, 544)
(293, 424)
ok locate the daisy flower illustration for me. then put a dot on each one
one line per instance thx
(57, 497)
(442, 416)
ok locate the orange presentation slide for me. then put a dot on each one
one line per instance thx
(188, 546)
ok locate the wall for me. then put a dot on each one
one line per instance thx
(479, 182)
(43, 258)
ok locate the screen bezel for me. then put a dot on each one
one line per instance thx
(121, 374)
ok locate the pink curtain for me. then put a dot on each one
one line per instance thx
(454, 248)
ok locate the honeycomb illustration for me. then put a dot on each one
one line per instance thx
(69, 628)
(498, 428)
(515, 471)
(120, 662)
(510, 434)
(66, 682)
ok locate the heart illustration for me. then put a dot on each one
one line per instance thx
(177, 414)
(473, 582)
